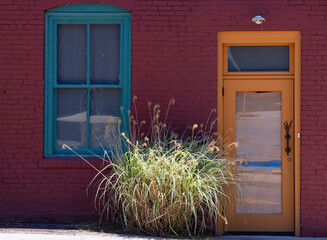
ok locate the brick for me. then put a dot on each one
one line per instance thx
(174, 55)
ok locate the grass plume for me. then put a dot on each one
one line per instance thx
(164, 183)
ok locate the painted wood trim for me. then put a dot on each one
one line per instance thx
(248, 77)
(220, 84)
(47, 92)
(297, 129)
(97, 17)
(126, 74)
(87, 86)
(89, 7)
(259, 37)
(88, 96)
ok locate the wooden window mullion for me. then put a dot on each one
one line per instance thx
(88, 108)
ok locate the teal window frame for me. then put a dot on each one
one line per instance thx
(96, 13)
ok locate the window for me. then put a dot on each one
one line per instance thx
(87, 77)
(258, 58)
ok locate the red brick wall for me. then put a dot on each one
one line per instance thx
(174, 54)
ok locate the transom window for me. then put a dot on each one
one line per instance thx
(87, 77)
(258, 58)
(250, 58)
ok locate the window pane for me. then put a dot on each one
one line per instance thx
(104, 53)
(71, 117)
(258, 131)
(71, 59)
(258, 58)
(104, 116)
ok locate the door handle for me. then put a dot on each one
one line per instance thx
(287, 127)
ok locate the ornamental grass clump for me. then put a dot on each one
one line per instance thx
(167, 184)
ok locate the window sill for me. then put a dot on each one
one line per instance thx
(70, 163)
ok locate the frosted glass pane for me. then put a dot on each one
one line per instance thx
(258, 58)
(258, 132)
(104, 116)
(71, 54)
(71, 117)
(104, 53)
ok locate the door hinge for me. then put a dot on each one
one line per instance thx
(223, 91)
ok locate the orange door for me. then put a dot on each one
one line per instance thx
(258, 114)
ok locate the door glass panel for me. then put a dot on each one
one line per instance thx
(258, 132)
(258, 58)
(71, 60)
(104, 53)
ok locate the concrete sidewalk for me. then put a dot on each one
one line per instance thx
(59, 234)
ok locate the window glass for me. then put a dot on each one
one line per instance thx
(71, 117)
(71, 51)
(104, 53)
(258, 58)
(73, 120)
(104, 117)
(258, 128)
